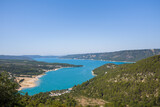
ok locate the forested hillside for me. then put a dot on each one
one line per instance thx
(134, 85)
(27, 67)
(126, 55)
(131, 85)
(100, 70)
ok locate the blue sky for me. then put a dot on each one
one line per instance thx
(59, 27)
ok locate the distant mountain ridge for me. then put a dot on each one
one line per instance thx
(39, 56)
(125, 55)
(15, 57)
(25, 57)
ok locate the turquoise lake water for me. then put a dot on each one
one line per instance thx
(66, 77)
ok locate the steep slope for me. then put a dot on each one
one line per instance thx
(136, 84)
(126, 55)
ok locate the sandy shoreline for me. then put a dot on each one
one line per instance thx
(93, 74)
(30, 82)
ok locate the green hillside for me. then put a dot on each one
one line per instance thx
(127, 85)
(100, 70)
(28, 67)
(126, 55)
(136, 84)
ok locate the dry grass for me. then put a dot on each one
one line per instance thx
(84, 101)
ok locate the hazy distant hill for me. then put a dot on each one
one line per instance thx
(14, 57)
(25, 57)
(132, 85)
(126, 55)
(39, 56)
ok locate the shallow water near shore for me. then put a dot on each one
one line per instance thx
(65, 78)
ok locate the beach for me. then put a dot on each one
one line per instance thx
(29, 82)
(93, 74)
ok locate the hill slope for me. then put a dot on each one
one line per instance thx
(27, 67)
(126, 55)
(135, 84)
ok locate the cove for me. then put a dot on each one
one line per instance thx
(65, 78)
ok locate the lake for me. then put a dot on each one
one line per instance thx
(65, 78)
